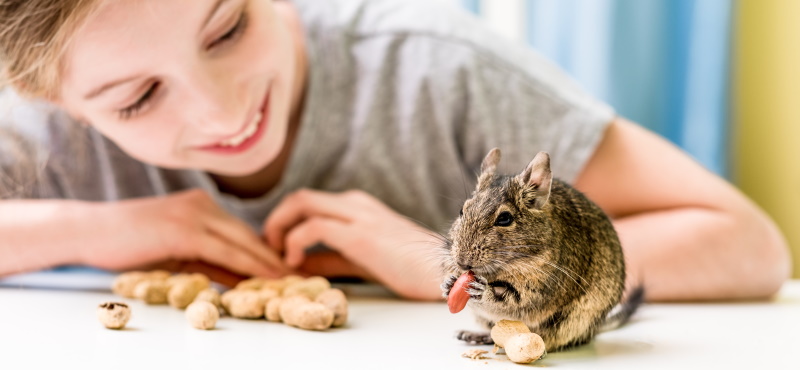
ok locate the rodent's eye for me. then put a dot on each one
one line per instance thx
(504, 219)
(461, 212)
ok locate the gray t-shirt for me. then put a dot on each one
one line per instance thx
(404, 99)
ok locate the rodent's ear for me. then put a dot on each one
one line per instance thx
(536, 180)
(488, 167)
(489, 164)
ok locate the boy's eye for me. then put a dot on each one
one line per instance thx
(504, 219)
(233, 32)
(134, 108)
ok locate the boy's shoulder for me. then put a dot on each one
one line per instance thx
(21, 118)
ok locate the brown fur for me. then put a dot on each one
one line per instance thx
(558, 266)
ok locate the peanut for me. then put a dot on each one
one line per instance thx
(309, 304)
(291, 279)
(336, 301)
(152, 291)
(309, 316)
(209, 295)
(113, 315)
(268, 293)
(244, 304)
(524, 348)
(458, 297)
(202, 315)
(174, 279)
(520, 344)
(159, 275)
(310, 287)
(272, 311)
(250, 284)
(505, 329)
(289, 304)
(275, 284)
(125, 284)
(185, 289)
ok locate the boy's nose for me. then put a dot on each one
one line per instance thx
(217, 107)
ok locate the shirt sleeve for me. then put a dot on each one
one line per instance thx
(520, 102)
(25, 151)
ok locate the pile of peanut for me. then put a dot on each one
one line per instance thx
(306, 303)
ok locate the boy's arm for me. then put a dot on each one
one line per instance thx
(188, 226)
(38, 234)
(687, 234)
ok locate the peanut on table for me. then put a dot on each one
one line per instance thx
(521, 346)
(306, 303)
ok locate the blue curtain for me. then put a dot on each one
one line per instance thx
(661, 63)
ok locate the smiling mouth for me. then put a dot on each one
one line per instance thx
(248, 132)
(248, 135)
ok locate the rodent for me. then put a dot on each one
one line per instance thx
(542, 253)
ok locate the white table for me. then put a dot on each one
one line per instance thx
(57, 329)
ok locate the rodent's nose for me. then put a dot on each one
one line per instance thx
(464, 266)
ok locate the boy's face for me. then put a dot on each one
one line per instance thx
(205, 84)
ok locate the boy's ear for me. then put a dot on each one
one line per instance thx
(536, 181)
(488, 168)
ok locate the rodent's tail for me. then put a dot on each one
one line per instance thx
(620, 314)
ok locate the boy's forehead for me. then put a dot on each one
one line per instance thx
(141, 19)
(123, 38)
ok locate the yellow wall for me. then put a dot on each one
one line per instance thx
(766, 109)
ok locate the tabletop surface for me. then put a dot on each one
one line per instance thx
(48, 328)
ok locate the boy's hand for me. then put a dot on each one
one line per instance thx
(372, 241)
(184, 226)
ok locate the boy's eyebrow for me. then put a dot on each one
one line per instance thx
(111, 84)
(211, 13)
(107, 86)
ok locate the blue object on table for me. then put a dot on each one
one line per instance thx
(66, 278)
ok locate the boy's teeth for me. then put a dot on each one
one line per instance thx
(248, 131)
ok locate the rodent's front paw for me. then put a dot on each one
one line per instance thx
(447, 285)
(477, 288)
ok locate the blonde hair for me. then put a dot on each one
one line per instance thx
(34, 35)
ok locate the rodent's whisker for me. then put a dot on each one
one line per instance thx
(545, 281)
(572, 274)
(434, 258)
(521, 268)
(426, 228)
(521, 260)
(520, 246)
(576, 278)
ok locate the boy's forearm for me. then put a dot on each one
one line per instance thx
(702, 254)
(38, 234)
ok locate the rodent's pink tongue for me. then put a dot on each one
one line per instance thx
(458, 297)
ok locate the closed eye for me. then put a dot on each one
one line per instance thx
(133, 109)
(233, 32)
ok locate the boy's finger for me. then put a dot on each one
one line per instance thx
(332, 264)
(239, 233)
(219, 252)
(332, 233)
(215, 273)
(302, 205)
